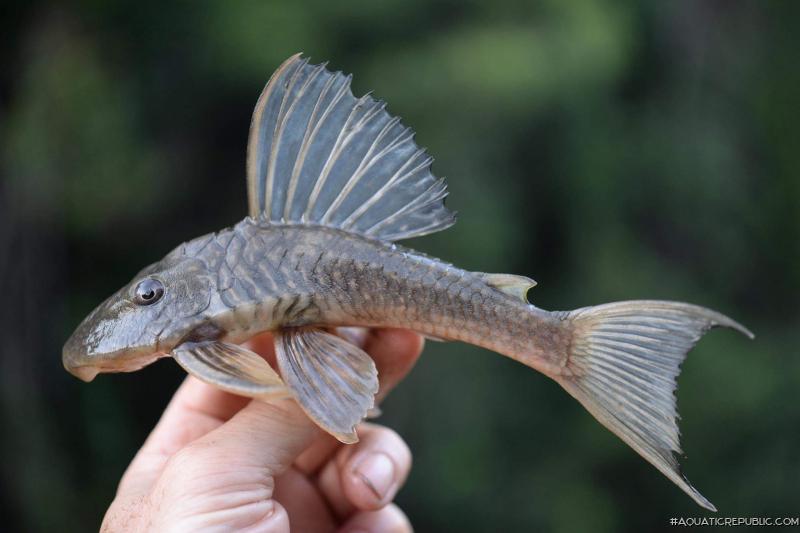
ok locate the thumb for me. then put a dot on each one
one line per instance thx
(263, 436)
(226, 479)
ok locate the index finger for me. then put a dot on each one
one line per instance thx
(196, 409)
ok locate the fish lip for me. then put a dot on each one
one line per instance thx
(85, 373)
(133, 363)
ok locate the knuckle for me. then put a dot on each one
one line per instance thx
(397, 522)
(395, 445)
(182, 462)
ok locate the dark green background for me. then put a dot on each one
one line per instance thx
(609, 150)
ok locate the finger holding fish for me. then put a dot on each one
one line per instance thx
(239, 445)
(367, 476)
(389, 519)
(208, 434)
(198, 408)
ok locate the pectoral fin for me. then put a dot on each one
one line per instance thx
(333, 381)
(231, 368)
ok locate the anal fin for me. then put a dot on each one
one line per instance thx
(333, 381)
(231, 368)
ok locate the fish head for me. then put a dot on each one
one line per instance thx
(143, 320)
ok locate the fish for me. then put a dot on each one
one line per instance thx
(333, 182)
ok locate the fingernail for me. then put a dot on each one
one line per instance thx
(376, 470)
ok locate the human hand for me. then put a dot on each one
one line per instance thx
(216, 461)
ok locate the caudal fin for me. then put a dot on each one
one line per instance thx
(624, 361)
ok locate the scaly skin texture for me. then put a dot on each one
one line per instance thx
(268, 277)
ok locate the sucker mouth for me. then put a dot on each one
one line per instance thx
(84, 373)
(88, 372)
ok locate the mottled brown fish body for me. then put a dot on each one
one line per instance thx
(301, 276)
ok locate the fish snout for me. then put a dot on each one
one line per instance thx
(84, 373)
(75, 358)
(111, 341)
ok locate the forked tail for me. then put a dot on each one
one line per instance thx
(623, 363)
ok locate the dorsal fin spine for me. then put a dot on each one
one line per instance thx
(309, 136)
(413, 205)
(325, 114)
(281, 125)
(366, 164)
(255, 167)
(275, 145)
(398, 176)
(332, 156)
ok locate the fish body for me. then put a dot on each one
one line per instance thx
(332, 182)
(260, 277)
(272, 277)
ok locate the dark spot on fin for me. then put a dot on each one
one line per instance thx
(207, 331)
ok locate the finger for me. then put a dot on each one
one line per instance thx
(262, 440)
(390, 519)
(144, 513)
(230, 472)
(307, 508)
(395, 352)
(197, 404)
(265, 436)
(367, 475)
(274, 434)
(264, 345)
(196, 409)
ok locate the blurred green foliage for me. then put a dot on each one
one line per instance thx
(609, 150)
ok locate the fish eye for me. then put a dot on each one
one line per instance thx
(148, 291)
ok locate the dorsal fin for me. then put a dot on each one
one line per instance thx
(509, 283)
(318, 155)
